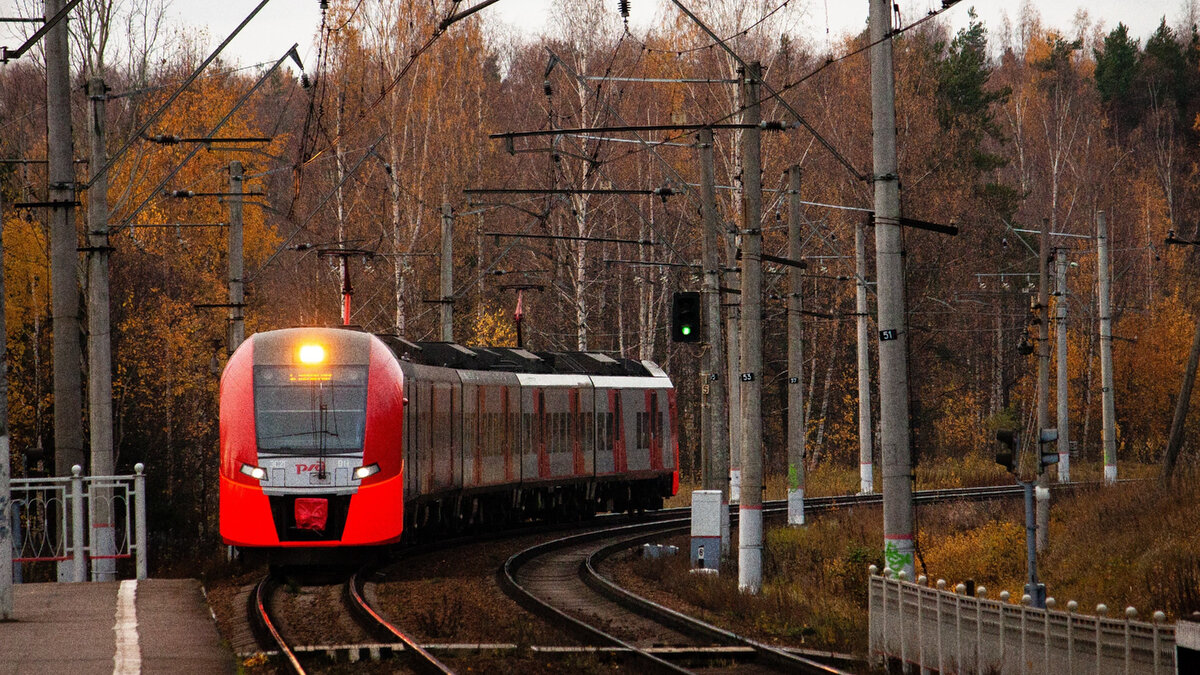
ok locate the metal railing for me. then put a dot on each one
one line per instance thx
(49, 524)
(933, 628)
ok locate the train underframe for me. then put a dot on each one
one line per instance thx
(461, 511)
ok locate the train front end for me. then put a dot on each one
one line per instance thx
(311, 456)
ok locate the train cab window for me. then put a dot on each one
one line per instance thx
(310, 412)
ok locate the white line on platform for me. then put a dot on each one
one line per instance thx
(128, 659)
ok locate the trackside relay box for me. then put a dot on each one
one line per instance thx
(706, 530)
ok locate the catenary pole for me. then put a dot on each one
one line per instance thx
(1043, 383)
(716, 444)
(6, 542)
(1060, 364)
(64, 259)
(447, 275)
(237, 291)
(733, 356)
(898, 543)
(100, 413)
(866, 455)
(797, 428)
(750, 508)
(1108, 435)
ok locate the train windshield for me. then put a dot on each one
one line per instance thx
(303, 411)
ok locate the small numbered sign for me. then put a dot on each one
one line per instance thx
(793, 380)
(888, 334)
(747, 377)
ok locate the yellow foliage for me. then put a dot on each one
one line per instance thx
(992, 554)
(492, 326)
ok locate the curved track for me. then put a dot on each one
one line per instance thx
(558, 580)
(422, 660)
(260, 615)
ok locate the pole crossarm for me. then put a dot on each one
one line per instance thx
(626, 129)
(172, 139)
(229, 115)
(765, 257)
(609, 240)
(1176, 241)
(345, 252)
(658, 191)
(951, 230)
(648, 263)
(185, 194)
(775, 95)
(46, 205)
(195, 73)
(6, 55)
(459, 16)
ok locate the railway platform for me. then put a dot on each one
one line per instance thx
(126, 627)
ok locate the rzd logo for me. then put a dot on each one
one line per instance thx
(301, 468)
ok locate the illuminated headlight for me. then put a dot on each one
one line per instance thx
(365, 471)
(312, 354)
(255, 472)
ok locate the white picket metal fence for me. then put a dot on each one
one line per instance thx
(927, 629)
(79, 519)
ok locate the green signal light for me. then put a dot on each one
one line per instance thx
(686, 330)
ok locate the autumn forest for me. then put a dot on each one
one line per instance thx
(1000, 128)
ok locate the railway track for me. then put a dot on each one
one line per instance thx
(390, 638)
(559, 581)
(637, 629)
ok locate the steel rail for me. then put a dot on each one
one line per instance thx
(261, 617)
(422, 659)
(769, 655)
(507, 577)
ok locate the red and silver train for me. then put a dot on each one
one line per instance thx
(334, 438)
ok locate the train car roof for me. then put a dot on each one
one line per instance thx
(509, 359)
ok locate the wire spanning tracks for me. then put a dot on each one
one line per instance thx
(372, 622)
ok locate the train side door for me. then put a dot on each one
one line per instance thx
(411, 432)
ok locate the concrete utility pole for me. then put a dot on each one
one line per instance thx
(733, 354)
(1043, 383)
(100, 412)
(797, 427)
(237, 292)
(866, 455)
(716, 443)
(64, 259)
(6, 542)
(1108, 435)
(447, 298)
(750, 508)
(898, 545)
(1060, 364)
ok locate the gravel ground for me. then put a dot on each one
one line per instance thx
(453, 596)
(620, 568)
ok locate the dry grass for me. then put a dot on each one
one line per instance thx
(814, 591)
(1121, 545)
(1127, 544)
